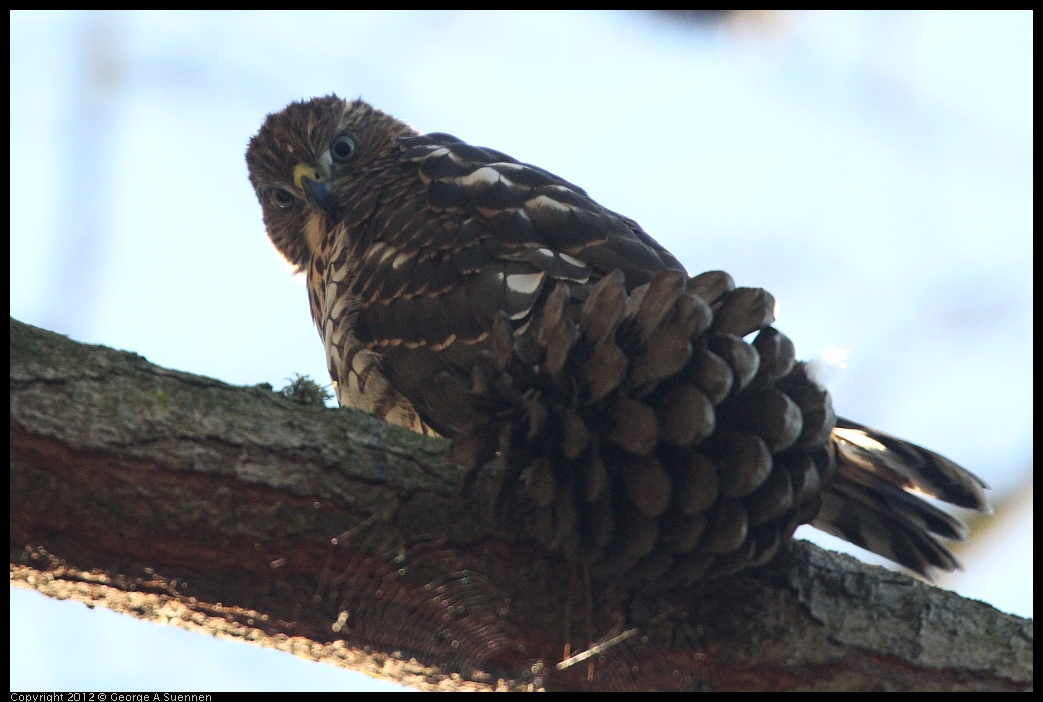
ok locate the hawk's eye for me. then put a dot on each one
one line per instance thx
(281, 198)
(343, 148)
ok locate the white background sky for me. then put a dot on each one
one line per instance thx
(871, 169)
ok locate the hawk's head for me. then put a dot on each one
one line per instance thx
(312, 160)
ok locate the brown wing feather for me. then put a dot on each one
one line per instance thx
(489, 235)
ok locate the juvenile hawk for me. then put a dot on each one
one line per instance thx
(459, 291)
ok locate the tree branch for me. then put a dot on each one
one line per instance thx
(332, 535)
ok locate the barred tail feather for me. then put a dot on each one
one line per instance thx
(909, 466)
(873, 500)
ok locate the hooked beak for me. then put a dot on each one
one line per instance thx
(316, 189)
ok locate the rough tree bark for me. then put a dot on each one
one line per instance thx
(327, 533)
